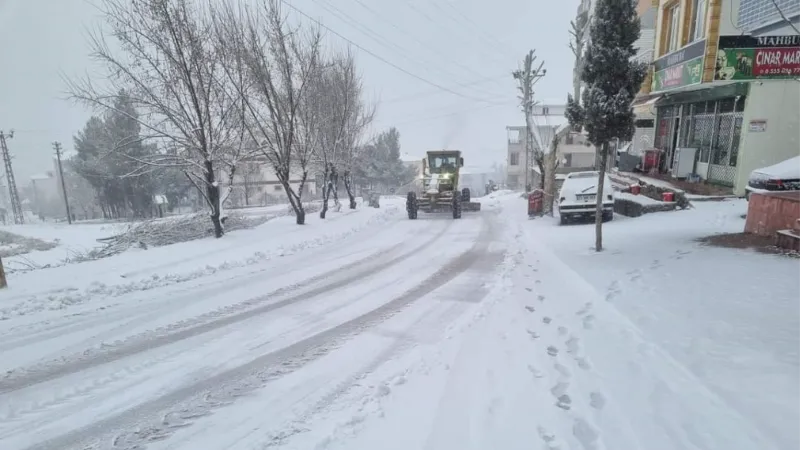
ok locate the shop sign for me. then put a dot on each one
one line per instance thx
(680, 68)
(751, 57)
(757, 126)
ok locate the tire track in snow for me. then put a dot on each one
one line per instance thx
(40, 373)
(23, 335)
(182, 407)
(472, 292)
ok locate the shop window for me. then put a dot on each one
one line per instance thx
(726, 105)
(701, 135)
(739, 106)
(513, 159)
(722, 139)
(673, 27)
(698, 30)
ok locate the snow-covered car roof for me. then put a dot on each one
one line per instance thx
(783, 170)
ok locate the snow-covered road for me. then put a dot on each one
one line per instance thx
(433, 334)
(161, 358)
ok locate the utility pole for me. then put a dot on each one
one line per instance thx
(527, 77)
(16, 206)
(57, 147)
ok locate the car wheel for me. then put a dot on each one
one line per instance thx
(564, 218)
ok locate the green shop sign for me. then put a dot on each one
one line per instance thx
(680, 68)
(750, 57)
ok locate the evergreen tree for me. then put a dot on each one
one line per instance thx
(611, 79)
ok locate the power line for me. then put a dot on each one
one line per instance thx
(454, 113)
(500, 45)
(438, 23)
(414, 38)
(353, 23)
(378, 57)
(403, 98)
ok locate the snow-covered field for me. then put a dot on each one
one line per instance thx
(371, 331)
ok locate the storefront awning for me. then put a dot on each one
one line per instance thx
(646, 106)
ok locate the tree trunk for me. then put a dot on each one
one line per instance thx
(549, 175)
(348, 186)
(212, 192)
(549, 180)
(543, 172)
(295, 199)
(598, 214)
(325, 192)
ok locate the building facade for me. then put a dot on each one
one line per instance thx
(574, 151)
(724, 86)
(643, 105)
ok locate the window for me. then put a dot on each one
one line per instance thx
(673, 28)
(277, 188)
(545, 110)
(513, 181)
(698, 20)
(513, 159)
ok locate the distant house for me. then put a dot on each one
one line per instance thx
(255, 184)
(574, 151)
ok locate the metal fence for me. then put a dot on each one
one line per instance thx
(714, 128)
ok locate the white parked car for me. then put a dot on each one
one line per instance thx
(784, 176)
(578, 196)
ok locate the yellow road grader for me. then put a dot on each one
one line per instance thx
(437, 186)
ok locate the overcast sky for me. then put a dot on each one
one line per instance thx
(463, 49)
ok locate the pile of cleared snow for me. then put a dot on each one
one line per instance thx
(12, 244)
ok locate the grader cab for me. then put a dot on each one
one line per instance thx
(437, 189)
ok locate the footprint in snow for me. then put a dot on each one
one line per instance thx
(613, 290)
(540, 297)
(533, 334)
(586, 308)
(563, 370)
(529, 289)
(546, 319)
(564, 402)
(550, 440)
(583, 363)
(573, 345)
(635, 274)
(552, 351)
(588, 322)
(562, 330)
(586, 434)
(536, 372)
(597, 400)
(530, 308)
(655, 264)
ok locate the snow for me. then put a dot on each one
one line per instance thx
(374, 331)
(782, 170)
(640, 199)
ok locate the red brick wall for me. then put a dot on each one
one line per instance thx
(768, 213)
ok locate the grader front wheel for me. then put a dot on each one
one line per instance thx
(411, 205)
(456, 206)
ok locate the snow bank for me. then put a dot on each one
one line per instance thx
(61, 287)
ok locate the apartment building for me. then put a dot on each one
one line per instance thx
(724, 85)
(644, 103)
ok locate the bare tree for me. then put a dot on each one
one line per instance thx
(270, 64)
(171, 68)
(340, 121)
